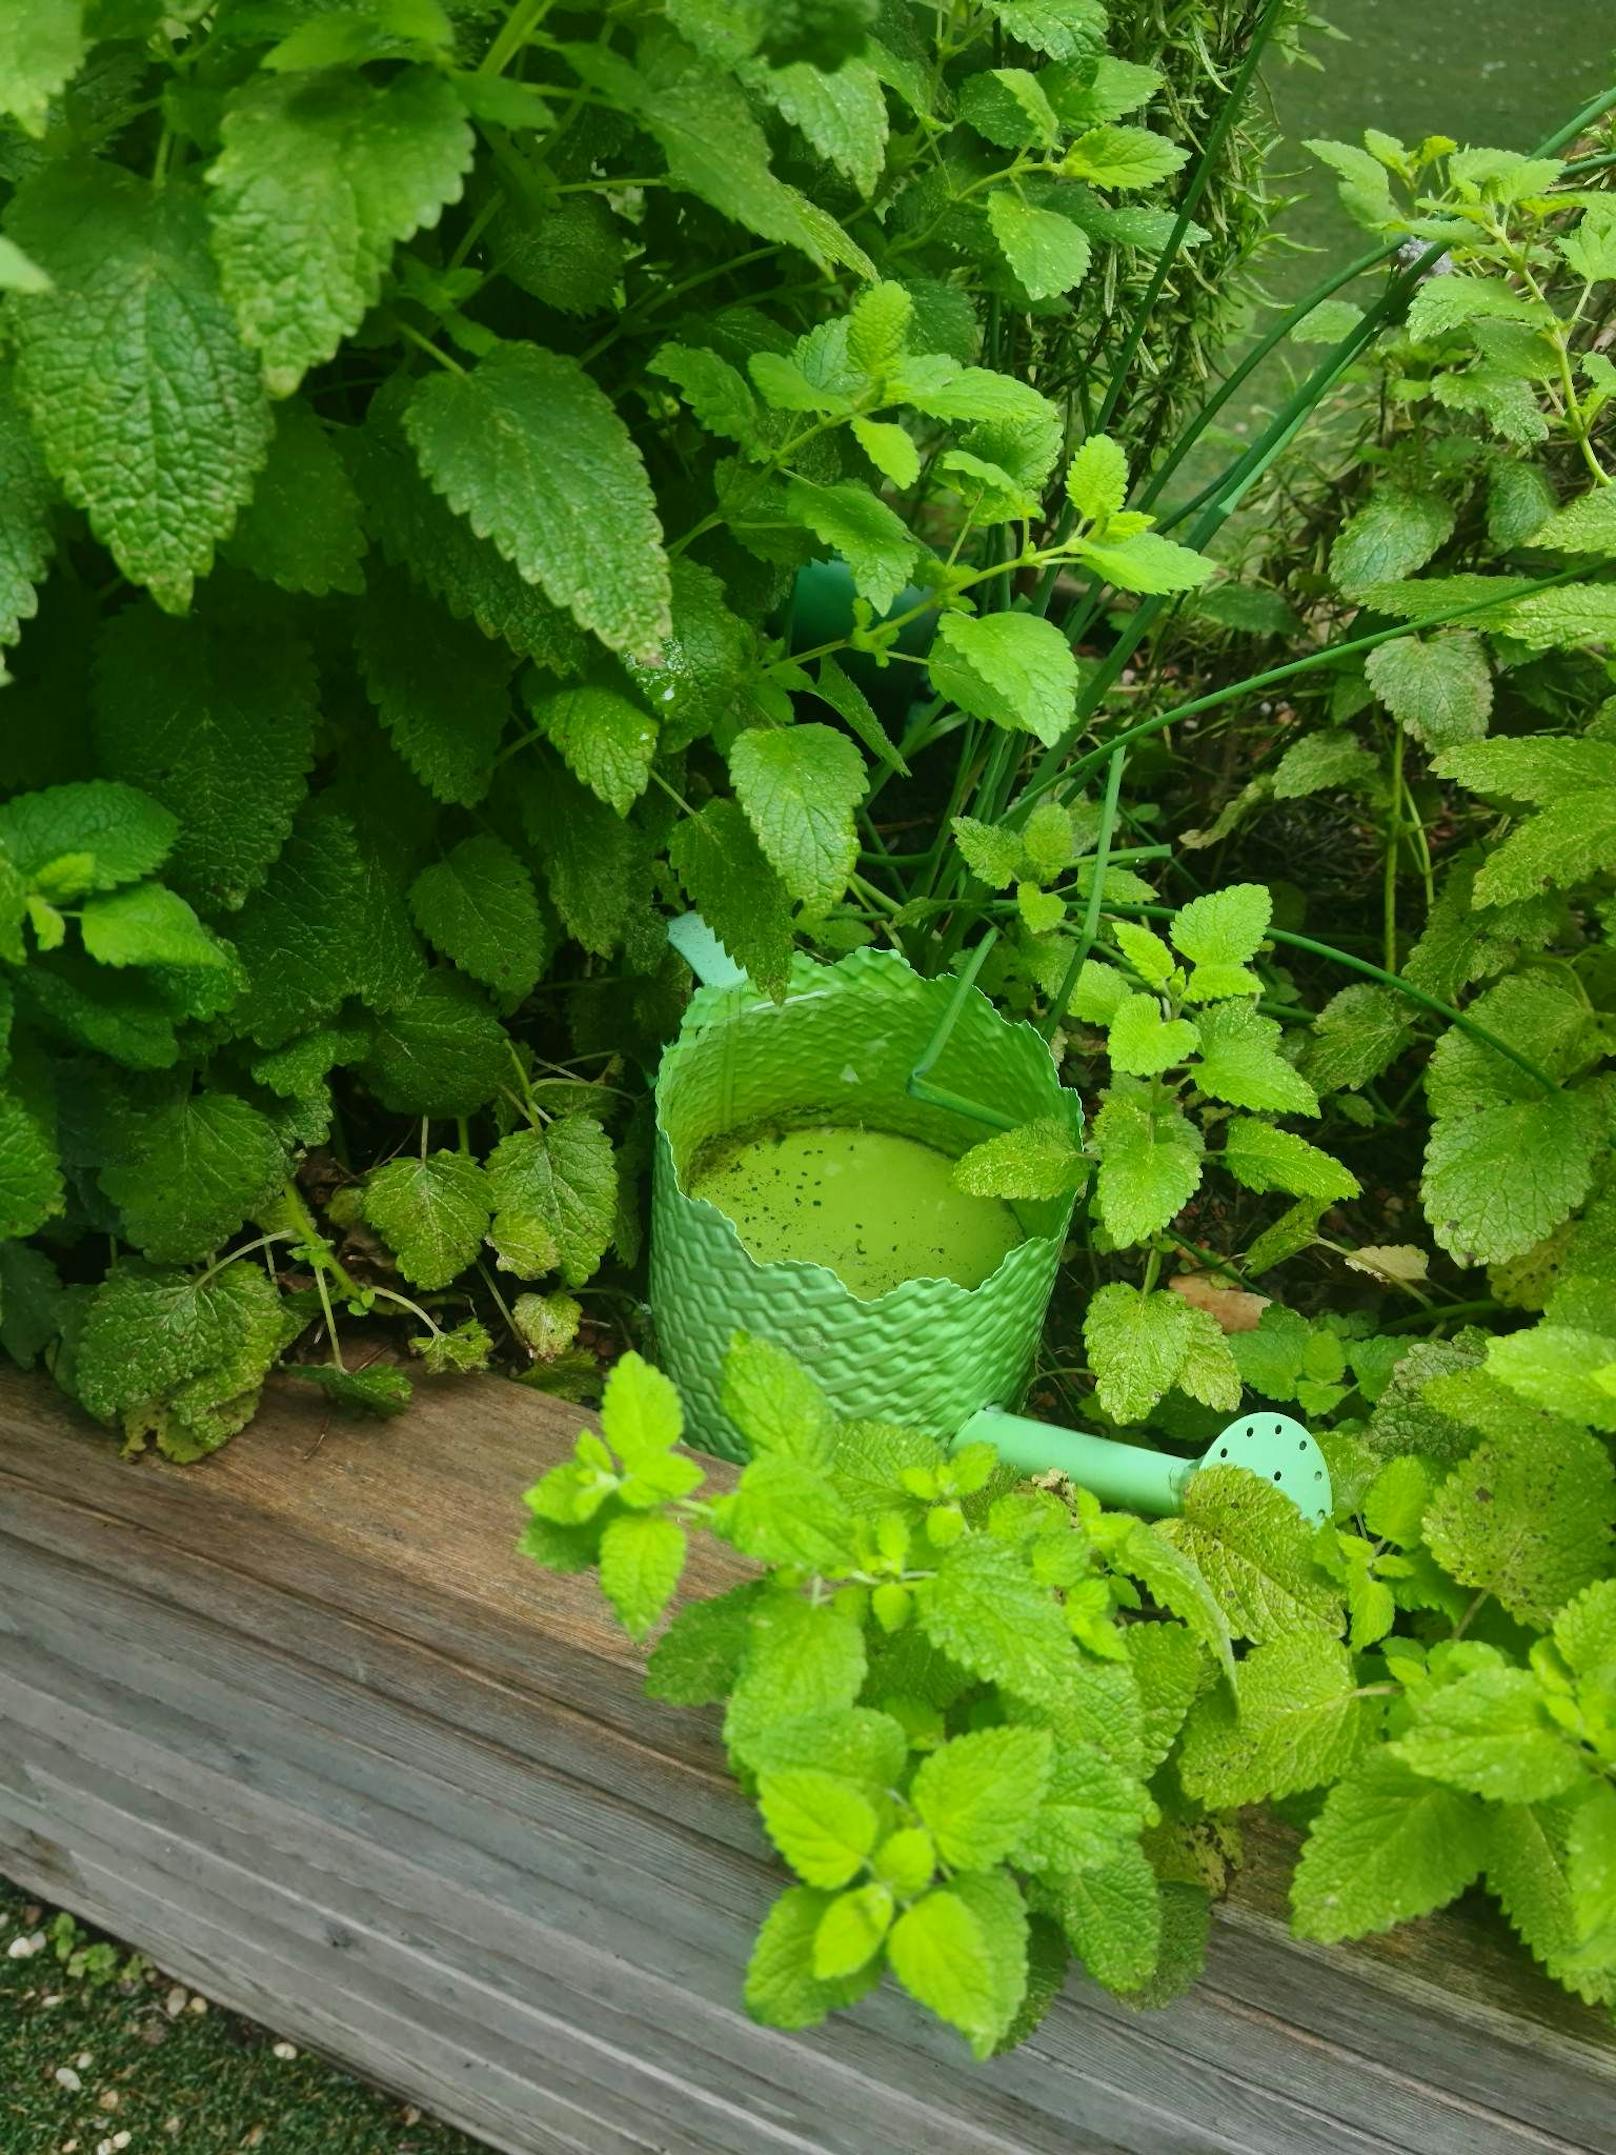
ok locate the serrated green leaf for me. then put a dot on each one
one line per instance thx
(1387, 1846)
(1526, 1518)
(642, 1555)
(476, 905)
(115, 833)
(144, 924)
(606, 741)
(775, 1403)
(1047, 253)
(1265, 1158)
(32, 1302)
(1111, 1916)
(983, 1611)
(1574, 833)
(439, 1050)
(1393, 534)
(715, 148)
(145, 402)
(1142, 1043)
(851, 1930)
(1015, 670)
(190, 1173)
(1438, 688)
(1040, 1159)
(438, 686)
(1226, 927)
(42, 46)
(786, 1511)
(529, 450)
(555, 1199)
(1561, 1369)
(419, 532)
(699, 1656)
(978, 1793)
(214, 718)
(302, 528)
(1150, 1163)
(1141, 1345)
(1007, 105)
(1356, 1035)
(889, 449)
(843, 114)
(1098, 89)
(432, 1213)
(716, 392)
(31, 1189)
(1255, 1549)
(1240, 1063)
(1498, 1179)
(177, 1356)
(1123, 157)
(1487, 1732)
(1144, 562)
(319, 176)
(849, 701)
(823, 1825)
(1297, 1724)
(872, 539)
(1175, 1581)
(1097, 478)
(26, 498)
(950, 1961)
(1324, 762)
(800, 1658)
(743, 901)
(799, 786)
(782, 1989)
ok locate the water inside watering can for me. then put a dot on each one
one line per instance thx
(872, 1207)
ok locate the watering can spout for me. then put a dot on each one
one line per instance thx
(1272, 1446)
(704, 953)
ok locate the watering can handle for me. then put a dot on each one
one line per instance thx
(704, 953)
(1272, 1446)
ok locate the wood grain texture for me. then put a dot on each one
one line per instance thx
(301, 1723)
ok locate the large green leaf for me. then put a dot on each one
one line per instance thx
(799, 786)
(318, 177)
(147, 405)
(534, 456)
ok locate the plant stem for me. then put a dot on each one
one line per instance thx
(1388, 883)
(1091, 918)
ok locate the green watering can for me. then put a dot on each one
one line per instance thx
(855, 1093)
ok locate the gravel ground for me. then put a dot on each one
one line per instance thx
(100, 2053)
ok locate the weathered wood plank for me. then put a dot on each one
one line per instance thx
(301, 1723)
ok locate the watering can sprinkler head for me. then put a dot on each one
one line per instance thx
(926, 1350)
(1130, 1477)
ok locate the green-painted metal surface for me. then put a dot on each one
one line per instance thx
(838, 1052)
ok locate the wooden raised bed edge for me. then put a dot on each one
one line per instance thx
(302, 1725)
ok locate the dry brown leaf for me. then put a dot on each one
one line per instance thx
(1232, 1309)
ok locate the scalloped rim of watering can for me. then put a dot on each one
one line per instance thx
(809, 977)
(926, 1287)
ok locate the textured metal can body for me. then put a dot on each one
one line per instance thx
(839, 1049)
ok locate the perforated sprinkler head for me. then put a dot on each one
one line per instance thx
(1279, 1450)
(1131, 1477)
